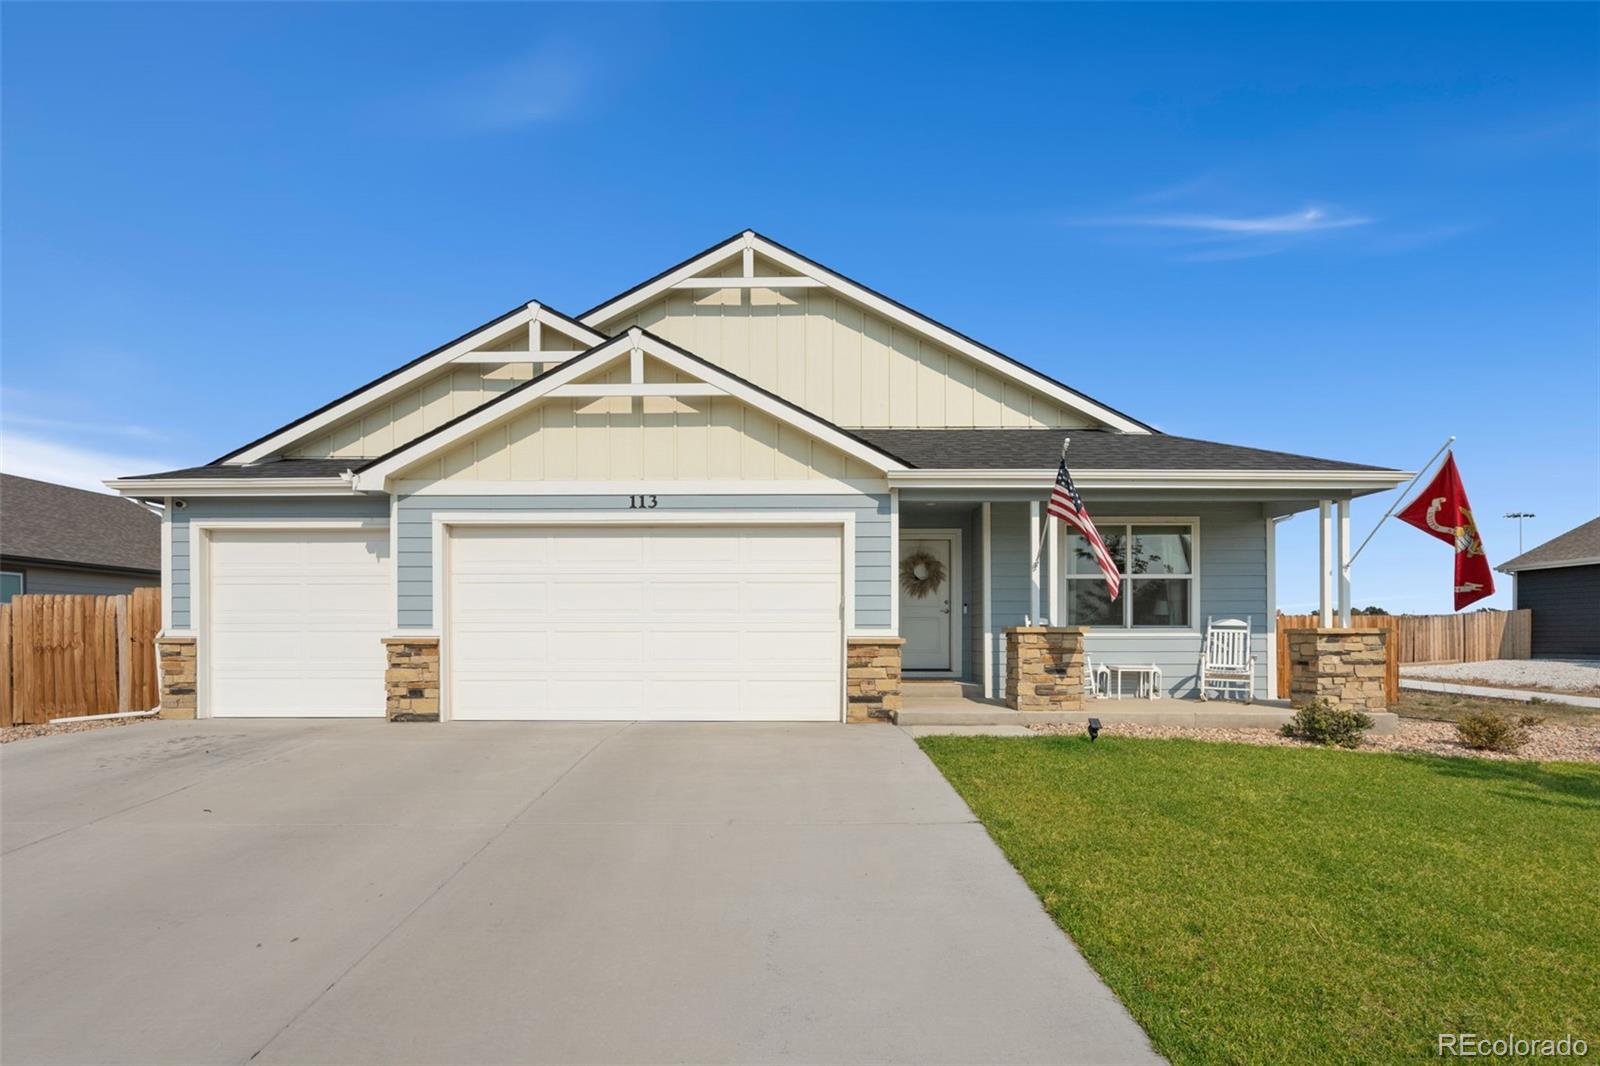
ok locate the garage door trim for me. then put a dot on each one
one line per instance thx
(445, 521)
(200, 532)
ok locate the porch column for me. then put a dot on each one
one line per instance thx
(1325, 557)
(1344, 563)
(1034, 617)
(1053, 546)
(988, 603)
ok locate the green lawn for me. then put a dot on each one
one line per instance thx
(1299, 905)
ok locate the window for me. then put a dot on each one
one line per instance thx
(1157, 563)
(10, 585)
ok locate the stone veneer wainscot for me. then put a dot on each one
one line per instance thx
(176, 657)
(411, 679)
(1342, 666)
(872, 678)
(1044, 668)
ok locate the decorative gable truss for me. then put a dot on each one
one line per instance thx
(431, 390)
(840, 349)
(634, 409)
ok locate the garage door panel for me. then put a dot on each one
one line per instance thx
(295, 621)
(672, 623)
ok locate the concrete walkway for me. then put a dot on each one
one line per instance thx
(495, 893)
(1521, 695)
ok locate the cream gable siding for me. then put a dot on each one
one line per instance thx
(854, 368)
(653, 438)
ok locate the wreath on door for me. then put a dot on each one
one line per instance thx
(920, 574)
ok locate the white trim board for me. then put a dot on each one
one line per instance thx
(443, 521)
(663, 487)
(859, 294)
(375, 477)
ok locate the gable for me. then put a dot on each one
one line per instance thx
(818, 349)
(623, 438)
(850, 354)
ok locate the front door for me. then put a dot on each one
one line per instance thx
(928, 600)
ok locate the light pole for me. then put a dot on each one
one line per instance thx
(1519, 516)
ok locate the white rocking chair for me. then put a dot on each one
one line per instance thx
(1226, 664)
(1093, 687)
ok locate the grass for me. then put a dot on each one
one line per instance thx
(1279, 905)
(1445, 707)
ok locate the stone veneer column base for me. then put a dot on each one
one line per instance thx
(176, 658)
(411, 680)
(872, 678)
(1044, 668)
(1343, 666)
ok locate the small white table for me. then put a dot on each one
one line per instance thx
(1148, 674)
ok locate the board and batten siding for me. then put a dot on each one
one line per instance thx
(624, 438)
(257, 508)
(1233, 584)
(873, 568)
(839, 361)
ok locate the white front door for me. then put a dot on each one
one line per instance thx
(672, 623)
(295, 621)
(928, 612)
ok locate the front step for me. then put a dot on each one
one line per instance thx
(940, 688)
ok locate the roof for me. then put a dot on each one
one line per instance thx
(1575, 547)
(56, 524)
(275, 468)
(1091, 449)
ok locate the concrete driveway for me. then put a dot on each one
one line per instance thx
(364, 892)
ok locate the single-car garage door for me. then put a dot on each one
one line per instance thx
(296, 621)
(661, 622)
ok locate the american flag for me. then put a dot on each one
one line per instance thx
(1067, 505)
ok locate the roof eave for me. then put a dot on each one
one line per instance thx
(1358, 481)
(156, 488)
(1514, 567)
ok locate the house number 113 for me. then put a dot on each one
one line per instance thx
(644, 503)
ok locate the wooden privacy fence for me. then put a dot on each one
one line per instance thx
(1426, 638)
(65, 656)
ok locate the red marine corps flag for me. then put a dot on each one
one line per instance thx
(1443, 511)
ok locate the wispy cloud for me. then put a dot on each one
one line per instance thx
(1306, 220)
(72, 464)
(102, 429)
(547, 84)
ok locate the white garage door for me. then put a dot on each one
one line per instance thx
(296, 621)
(665, 622)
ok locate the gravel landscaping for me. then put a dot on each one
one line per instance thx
(1546, 743)
(28, 732)
(1577, 676)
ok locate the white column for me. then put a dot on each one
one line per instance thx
(1053, 548)
(1344, 563)
(1325, 557)
(1034, 617)
(988, 609)
(894, 561)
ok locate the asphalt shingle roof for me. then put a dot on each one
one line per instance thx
(1091, 449)
(1574, 546)
(276, 468)
(54, 523)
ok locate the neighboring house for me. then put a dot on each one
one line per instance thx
(55, 539)
(1559, 581)
(690, 501)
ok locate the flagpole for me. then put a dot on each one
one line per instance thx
(1394, 506)
(1044, 528)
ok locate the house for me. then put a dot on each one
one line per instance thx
(1559, 581)
(56, 539)
(730, 492)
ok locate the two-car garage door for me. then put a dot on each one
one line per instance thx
(658, 622)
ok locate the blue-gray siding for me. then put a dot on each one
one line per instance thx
(1233, 584)
(873, 568)
(266, 508)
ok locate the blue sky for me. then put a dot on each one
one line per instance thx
(1347, 231)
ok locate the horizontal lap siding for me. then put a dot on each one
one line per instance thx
(1233, 584)
(872, 551)
(263, 508)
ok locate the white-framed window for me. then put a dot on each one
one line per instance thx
(11, 584)
(1159, 560)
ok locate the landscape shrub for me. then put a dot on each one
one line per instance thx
(1322, 723)
(1493, 731)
